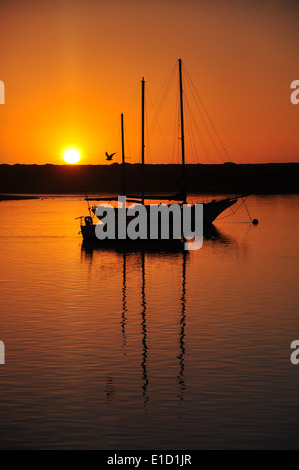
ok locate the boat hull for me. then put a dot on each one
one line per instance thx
(211, 211)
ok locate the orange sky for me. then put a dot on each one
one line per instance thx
(70, 67)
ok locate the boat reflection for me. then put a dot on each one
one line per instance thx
(133, 260)
(211, 234)
(181, 356)
(144, 334)
(124, 302)
(217, 236)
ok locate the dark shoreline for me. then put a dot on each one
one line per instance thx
(13, 197)
(227, 178)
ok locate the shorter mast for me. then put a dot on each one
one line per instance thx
(123, 154)
(182, 132)
(142, 139)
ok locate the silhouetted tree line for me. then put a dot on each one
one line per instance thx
(225, 178)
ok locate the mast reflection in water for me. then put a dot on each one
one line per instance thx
(180, 257)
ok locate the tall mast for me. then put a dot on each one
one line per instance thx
(182, 131)
(123, 153)
(142, 137)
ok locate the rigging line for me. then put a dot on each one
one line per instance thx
(118, 140)
(175, 144)
(128, 115)
(209, 118)
(148, 146)
(245, 205)
(158, 125)
(216, 132)
(136, 158)
(234, 212)
(161, 104)
(133, 100)
(164, 95)
(202, 140)
(113, 133)
(127, 145)
(190, 133)
(205, 148)
(192, 88)
(200, 134)
(167, 86)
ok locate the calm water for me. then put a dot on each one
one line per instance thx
(113, 350)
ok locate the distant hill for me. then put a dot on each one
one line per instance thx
(227, 178)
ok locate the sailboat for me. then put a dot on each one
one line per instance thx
(211, 210)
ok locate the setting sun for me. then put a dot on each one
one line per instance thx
(71, 156)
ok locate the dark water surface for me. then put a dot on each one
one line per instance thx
(135, 350)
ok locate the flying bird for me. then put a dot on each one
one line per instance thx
(109, 157)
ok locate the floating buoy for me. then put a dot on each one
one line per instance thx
(255, 221)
